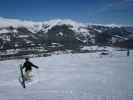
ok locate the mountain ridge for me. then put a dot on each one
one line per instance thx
(16, 33)
(12, 21)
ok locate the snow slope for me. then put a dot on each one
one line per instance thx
(71, 77)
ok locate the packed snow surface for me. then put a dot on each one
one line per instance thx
(71, 77)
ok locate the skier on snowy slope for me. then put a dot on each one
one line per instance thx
(28, 69)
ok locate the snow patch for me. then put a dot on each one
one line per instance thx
(4, 31)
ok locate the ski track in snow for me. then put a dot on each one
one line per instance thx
(71, 77)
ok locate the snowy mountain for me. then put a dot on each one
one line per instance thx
(60, 34)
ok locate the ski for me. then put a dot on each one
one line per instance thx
(22, 78)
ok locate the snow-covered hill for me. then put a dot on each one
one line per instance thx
(71, 77)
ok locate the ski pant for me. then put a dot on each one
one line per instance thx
(28, 75)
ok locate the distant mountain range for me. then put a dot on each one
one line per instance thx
(66, 34)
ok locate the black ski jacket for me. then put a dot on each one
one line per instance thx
(28, 66)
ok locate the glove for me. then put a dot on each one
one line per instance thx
(37, 67)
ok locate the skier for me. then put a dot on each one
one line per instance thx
(28, 69)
